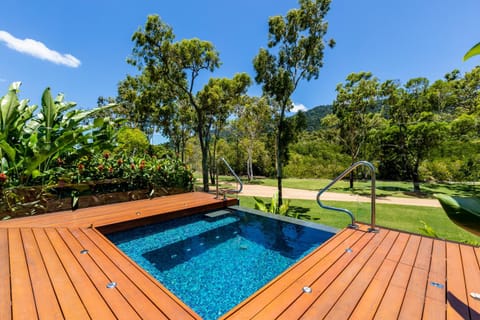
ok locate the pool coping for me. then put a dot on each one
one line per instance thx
(304, 223)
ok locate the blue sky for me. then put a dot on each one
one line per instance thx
(80, 47)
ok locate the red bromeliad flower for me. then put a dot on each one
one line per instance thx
(106, 155)
(120, 162)
(3, 178)
(101, 167)
(142, 165)
(81, 167)
(110, 170)
(132, 166)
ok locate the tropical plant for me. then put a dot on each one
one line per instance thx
(428, 230)
(32, 143)
(273, 206)
(475, 50)
(463, 211)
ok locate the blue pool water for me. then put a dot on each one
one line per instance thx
(213, 264)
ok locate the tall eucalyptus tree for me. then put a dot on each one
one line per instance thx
(295, 53)
(178, 65)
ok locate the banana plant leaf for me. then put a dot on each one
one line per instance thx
(475, 50)
(463, 211)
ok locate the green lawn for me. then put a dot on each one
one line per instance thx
(406, 218)
(383, 188)
(401, 189)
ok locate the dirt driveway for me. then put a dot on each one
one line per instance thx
(289, 193)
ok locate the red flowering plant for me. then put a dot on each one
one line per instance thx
(111, 172)
(3, 179)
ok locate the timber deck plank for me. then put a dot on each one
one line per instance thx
(388, 275)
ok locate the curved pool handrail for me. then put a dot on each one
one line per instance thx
(239, 181)
(372, 202)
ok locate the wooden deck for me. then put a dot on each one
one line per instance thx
(46, 274)
(388, 275)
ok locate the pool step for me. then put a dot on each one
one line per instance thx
(218, 213)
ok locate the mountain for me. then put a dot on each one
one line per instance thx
(315, 115)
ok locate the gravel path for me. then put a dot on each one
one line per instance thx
(289, 193)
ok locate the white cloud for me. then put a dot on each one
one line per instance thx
(38, 50)
(298, 107)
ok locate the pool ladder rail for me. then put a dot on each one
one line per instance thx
(225, 191)
(372, 194)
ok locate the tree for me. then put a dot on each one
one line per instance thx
(296, 43)
(413, 130)
(253, 118)
(178, 65)
(180, 127)
(146, 102)
(217, 100)
(354, 112)
(132, 141)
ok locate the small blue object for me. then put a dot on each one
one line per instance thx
(438, 285)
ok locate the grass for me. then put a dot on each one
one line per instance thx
(383, 188)
(405, 218)
(402, 189)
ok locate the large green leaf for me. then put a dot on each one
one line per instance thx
(475, 50)
(8, 150)
(463, 211)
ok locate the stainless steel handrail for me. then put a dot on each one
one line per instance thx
(372, 202)
(234, 175)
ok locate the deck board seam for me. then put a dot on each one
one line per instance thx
(42, 257)
(15, 233)
(333, 252)
(180, 304)
(64, 233)
(114, 262)
(383, 246)
(376, 277)
(355, 265)
(397, 263)
(96, 254)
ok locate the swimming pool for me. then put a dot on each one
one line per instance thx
(214, 261)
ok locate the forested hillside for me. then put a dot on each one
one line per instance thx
(414, 131)
(315, 115)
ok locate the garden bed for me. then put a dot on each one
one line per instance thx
(27, 201)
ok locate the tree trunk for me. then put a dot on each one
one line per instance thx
(416, 178)
(213, 164)
(205, 169)
(249, 165)
(279, 161)
(351, 176)
(204, 145)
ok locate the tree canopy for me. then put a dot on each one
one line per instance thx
(295, 53)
